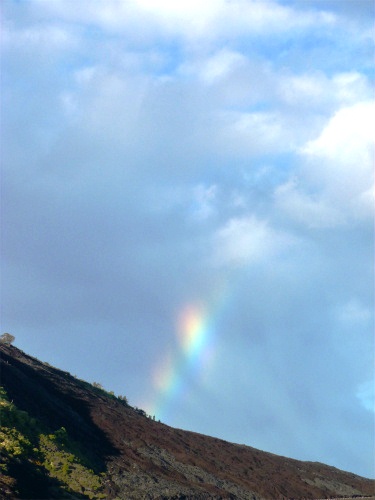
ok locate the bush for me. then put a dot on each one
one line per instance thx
(7, 338)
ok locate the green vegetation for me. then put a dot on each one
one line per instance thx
(51, 455)
(122, 399)
(100, 390)
(67, 467)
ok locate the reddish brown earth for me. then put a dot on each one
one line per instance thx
(144, 459)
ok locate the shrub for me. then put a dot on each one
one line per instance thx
(7, 338)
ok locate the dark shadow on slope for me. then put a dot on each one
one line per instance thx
(34, 483)
(56, 399)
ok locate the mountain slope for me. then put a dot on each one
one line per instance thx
(65, 438)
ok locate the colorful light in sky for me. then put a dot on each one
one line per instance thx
(193, 358)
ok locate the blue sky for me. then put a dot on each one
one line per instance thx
(212, 157)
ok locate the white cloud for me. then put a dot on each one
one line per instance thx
(220, 65)
(302, 88)
(317, 90)
(348, 137)
(254, 133)
(245, 240)
(311, 211)
(342, 156)
(38, 37)
(336, 180)
(190, 19)
(350, 87)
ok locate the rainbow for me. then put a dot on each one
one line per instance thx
(191, 360)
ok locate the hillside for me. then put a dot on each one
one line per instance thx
(65, 438)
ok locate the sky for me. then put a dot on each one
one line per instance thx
(187, 211)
